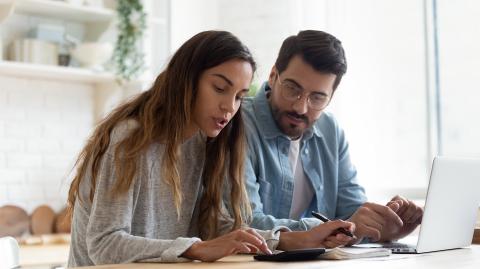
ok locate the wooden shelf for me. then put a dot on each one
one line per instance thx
(63, 10)
(58, 73)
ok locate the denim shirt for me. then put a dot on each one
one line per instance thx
(269, 179)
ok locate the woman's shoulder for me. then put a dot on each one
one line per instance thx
(122, 130)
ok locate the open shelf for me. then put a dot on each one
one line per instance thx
(58, 73)
(63, 10)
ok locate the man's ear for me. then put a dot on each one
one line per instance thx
(272, 76)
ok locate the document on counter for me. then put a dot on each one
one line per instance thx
(345, 253)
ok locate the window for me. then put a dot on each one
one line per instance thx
(410, 91)
(459, 65)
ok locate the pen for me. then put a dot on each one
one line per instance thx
(325, 219)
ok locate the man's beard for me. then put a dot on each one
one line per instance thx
(290, 129)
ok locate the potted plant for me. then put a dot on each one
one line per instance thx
(128, 59)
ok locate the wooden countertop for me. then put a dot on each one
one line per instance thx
(461, 258)
(46, 256)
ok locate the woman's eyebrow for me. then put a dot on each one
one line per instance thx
(224, 78)
(244, 91)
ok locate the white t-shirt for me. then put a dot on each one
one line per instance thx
(302, 190)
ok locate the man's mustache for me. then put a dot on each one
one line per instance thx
(298, 116)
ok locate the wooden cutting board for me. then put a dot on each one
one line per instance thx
(62, 222)
(476, 236)
(42, 220)
(14, 221)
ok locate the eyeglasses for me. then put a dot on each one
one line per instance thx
(292, 92)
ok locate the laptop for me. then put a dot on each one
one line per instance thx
(451, 207)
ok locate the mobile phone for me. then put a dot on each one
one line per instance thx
(292, 255)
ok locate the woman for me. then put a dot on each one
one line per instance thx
(150, 181)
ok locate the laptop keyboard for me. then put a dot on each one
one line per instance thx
(396, 247)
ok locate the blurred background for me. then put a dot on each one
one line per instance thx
(410, 92)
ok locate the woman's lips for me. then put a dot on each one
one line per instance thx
(220, 122)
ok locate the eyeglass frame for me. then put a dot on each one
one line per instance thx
(301, 94)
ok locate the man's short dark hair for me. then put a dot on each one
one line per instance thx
(321, 50)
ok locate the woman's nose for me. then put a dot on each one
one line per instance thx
(228, 105)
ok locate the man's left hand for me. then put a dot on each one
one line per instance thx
(410, 213)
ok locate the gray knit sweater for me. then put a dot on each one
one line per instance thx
(141, 225)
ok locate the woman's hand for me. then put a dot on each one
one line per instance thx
(323, 235)
(238, 241)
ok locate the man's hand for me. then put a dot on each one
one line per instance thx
(410, 213)
(323, 235)
(373, 221)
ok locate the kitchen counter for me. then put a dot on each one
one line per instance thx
(44, 256)
(458, 258)
(56, 255)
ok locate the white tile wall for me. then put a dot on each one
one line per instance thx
(43, 126)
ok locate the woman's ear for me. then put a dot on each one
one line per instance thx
(272, 77)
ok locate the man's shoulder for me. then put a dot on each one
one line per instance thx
(328, 129)
(247, 105)
(248, 112)
(255, 122)
(327, 121)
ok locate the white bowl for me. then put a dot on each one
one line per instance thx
(92, 54)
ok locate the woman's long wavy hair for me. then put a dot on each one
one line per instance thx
(163, 114)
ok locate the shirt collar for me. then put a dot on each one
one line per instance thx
(266, 121)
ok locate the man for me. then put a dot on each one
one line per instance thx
(298, 159)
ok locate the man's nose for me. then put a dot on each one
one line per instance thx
(301, 105)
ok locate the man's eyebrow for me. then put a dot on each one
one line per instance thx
(294, 82)
(300, 86)
(224, 78)
(321, 93)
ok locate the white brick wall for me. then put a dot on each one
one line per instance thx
(43, 126)
(270, 21)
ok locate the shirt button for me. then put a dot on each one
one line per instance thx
(306, 151)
